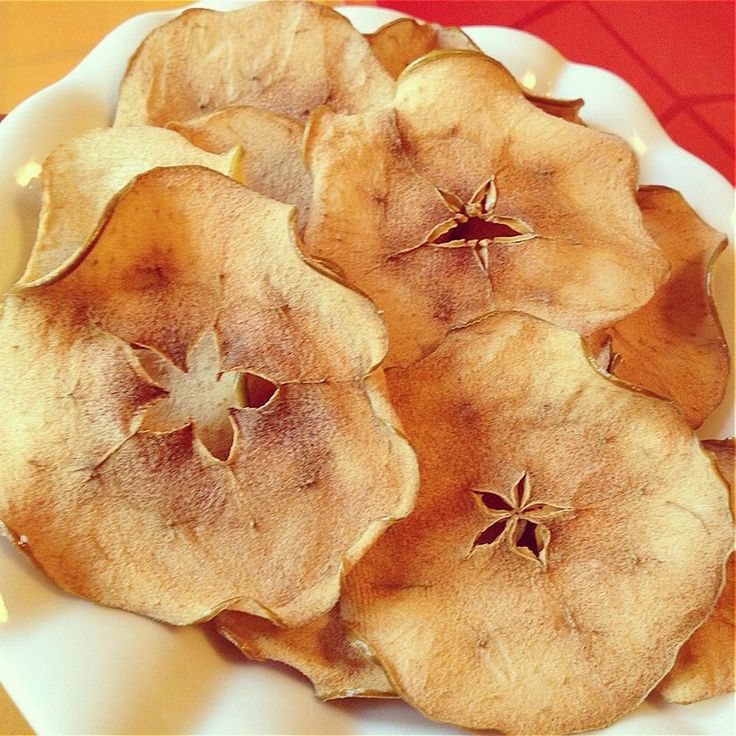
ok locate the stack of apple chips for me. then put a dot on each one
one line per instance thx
(386, 364)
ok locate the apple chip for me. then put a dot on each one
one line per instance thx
(183, 404)
(337, 667)
(81, 176)
(566, 109)
(674, 345)
(705, 665)
(402, 41)
(272, 162)
(287, 57)
(569, 535)
(464, 197)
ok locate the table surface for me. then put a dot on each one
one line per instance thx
(678, 55)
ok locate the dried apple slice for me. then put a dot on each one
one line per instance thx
(705, 665)
(285, 57)
(134, 503)
(517, 596)
(321, 651)
(81, 176)
(272, 163)
(402, 41)
(464, 197)
(566, 109)
(674, 345)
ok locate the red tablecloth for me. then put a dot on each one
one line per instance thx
(678, 55)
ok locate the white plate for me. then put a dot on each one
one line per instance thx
(73, 667)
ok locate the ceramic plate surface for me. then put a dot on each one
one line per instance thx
(73, 667)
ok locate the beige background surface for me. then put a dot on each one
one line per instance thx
(11, 721)
(41, 41)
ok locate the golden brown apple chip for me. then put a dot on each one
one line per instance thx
(81, 176)
(272, 144)
(138, 471)
(402, 41)
(674, 345)
(705, 665)
(464, 197)
(569, 535)
(320, 650)
(287, 57)
(566, 109)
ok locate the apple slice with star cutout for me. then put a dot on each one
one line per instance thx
(194, 416)
(462, 197)
(569, 534)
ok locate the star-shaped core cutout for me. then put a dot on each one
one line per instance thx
(522, 523)
(476, 225)
(202, 395)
